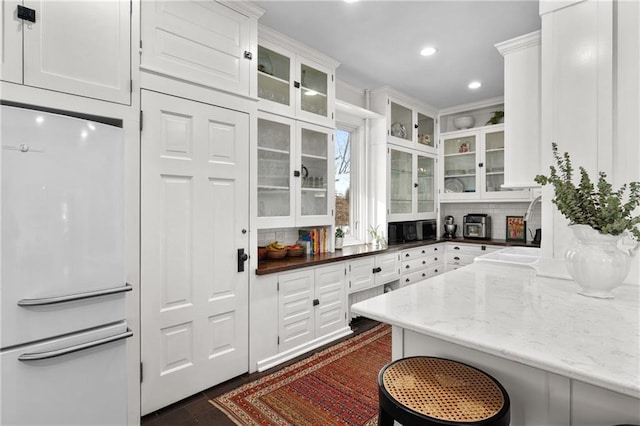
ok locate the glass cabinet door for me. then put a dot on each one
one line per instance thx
(313, 90)
(274, 76)
(425, 131)
(494, 161)
(460, 164)
(400, 182)
(274, 159)
(401, 119)
(426, 184)
(315, 152)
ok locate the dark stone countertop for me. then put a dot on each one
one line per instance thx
(270, 266)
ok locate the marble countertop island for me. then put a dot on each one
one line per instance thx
(510, 312)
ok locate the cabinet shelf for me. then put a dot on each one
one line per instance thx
(465, 175)
(316, 93)
(274, 150)
(497, 150)
(272, 188)
(315, 157)
(461, 154)
(273, 77)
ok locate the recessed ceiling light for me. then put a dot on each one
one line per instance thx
(350, 1)
(474, 85)
(428, 51)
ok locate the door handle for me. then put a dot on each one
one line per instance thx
(242, 257)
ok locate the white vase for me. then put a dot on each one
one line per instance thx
(339, 242)
(596, 263)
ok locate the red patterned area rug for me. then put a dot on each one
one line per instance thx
(337, 386)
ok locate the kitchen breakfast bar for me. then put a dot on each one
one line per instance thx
(565, 359)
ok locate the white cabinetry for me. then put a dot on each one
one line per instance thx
(82, 48)
(473, 165)
(420, 263)
(411, 192)
(295, 81)
(207, 43)
(409, 122)
(522, 109)
(460, 254)
(311, 305)
(295, 170)
(372, 271)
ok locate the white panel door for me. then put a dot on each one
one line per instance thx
(194, 302)
(389, 268)
(331, 299)
(79, 47)
(295, 309)
(201, 42)
(11, 42)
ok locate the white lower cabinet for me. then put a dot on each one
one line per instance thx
(311, 305)
(421, 262)
(372, 271)
(461, 254)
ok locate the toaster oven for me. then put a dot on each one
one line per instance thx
(476, 226)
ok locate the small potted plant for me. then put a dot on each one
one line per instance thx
(377, 237)
(339, 238)
(498, 117)
(599, 217)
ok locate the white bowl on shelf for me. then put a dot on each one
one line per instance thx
(465, 122)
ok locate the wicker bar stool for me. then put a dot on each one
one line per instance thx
(435, 391)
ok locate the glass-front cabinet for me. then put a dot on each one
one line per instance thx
(473, 165)
(295, 86)
(408, 126)
(411, 188)
(295, 163)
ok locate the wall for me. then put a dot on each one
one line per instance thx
(498, 213)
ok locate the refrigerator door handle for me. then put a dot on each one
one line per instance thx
(64, 351)
(72, 297)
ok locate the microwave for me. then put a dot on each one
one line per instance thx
(477, 226)
(406, 232)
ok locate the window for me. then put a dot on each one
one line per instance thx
(348, 140)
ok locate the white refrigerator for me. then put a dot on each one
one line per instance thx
(62, 281)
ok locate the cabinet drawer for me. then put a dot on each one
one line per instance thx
(413, 253)
(460, 258)
(414, 277)
(475, 249)
(414, 265)
(435, 270)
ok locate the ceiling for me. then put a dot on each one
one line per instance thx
(378, 42)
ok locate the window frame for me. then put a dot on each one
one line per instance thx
(357, 201)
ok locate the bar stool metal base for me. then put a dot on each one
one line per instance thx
(425, 391)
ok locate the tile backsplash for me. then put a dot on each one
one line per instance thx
(286, 236)
(498, 213)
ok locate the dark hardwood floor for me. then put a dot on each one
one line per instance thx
(196, 410)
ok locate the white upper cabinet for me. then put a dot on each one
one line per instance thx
(295, 173)
(295, 81)
(522, 109)
(81, 48)
(409, 122)
(411, 193)
(473, 165)
(207, 43)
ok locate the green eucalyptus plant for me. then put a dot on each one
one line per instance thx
(598, 206)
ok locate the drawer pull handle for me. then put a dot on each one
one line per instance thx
(407, 255)
(456, 248)
(59, 352)
(424, 262)
(423, 252)
(72, 297)
(407, 267)
(456, 258)
(424, 275)
(435, 259)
